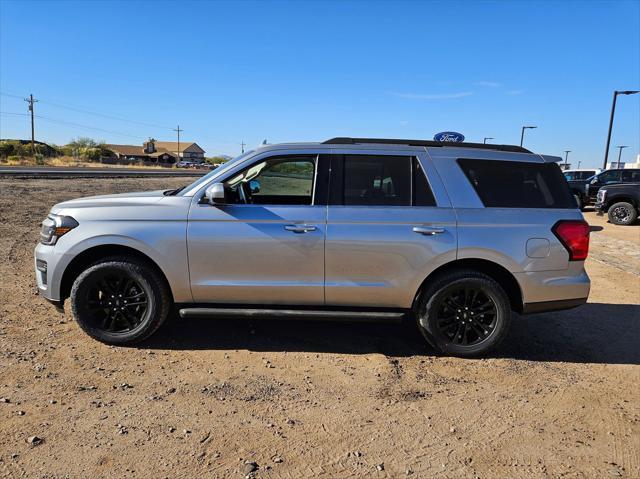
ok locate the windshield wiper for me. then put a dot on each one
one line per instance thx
(174, 192)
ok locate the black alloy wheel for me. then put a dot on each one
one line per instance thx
(117, 303)
(120, 300)
(463, 312)
(466, 315)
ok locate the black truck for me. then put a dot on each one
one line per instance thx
(621, 201)
(585, 191)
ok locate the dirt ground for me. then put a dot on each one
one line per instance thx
(313, 399)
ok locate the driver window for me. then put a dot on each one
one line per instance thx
(281, 180)
(609, 176)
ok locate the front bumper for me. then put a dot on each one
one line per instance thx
(49, 265)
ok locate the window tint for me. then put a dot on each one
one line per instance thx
(275, 181)
(579, 175)
(514, 184)
(608, 176)
(422, 194)
(631, 176)
(377, 180)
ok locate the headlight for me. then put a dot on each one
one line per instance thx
(54, 227)
(601, 195)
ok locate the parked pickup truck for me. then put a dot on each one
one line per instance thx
(621, 202)
(585, 191)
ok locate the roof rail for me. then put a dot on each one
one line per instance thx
(344, 140)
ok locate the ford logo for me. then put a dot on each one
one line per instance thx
(449, 136)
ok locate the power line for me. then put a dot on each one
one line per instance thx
(78, 125)
(12, 113)
(90, 112)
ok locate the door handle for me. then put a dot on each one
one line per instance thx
(428, 231)
(300, 228)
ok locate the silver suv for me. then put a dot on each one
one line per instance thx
(454, 235)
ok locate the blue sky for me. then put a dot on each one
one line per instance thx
(228, 72)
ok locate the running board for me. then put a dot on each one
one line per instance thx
(291, 313)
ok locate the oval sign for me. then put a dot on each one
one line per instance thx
(449, 136)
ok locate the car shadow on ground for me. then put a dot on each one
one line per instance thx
(592, 333)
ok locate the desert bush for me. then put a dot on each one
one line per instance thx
(6, 149)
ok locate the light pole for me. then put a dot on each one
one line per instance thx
(620, 153)
(566, 158)
(613, 111)
(487, 138)
(522, 134)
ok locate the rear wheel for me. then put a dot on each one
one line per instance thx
(120, 301)
(622, 213)
(464, 313)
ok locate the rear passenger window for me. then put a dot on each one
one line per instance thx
(631, 176)
(377, 180)
(515, 184)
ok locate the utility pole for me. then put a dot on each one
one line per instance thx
(613, 112)
(178, 130)
(31, 101)
(566, 158)
(242, 146)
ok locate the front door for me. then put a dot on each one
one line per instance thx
(385, 230)
(266, 244)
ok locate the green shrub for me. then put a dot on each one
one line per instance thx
(6, 148)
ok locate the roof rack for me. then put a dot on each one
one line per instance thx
(344, 140)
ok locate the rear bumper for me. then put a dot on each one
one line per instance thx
(546, 306)
(552, 290)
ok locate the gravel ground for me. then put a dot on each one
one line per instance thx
(266, 399)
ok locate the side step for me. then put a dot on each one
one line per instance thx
(291, 313)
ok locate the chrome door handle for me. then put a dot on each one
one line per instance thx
(300, 228)
(428, 231)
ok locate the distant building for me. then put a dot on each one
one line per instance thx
(161, 152)
(622, 164)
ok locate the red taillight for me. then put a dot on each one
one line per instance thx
(574, 235)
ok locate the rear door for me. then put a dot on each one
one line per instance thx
(389, 224)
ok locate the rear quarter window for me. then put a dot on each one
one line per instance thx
(515, 184)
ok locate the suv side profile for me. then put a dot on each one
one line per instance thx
(454, 235)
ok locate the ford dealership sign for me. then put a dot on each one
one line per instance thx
(451, 136)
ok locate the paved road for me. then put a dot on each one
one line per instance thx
(64, 172)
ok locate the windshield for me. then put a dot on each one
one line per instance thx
(578, 175)
(220, 169)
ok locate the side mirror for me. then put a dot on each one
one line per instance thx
(254, 186)
(215, 194)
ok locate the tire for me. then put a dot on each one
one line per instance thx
(488, 313)
(622, 213)
(120, 301)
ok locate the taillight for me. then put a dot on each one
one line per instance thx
(574, 236)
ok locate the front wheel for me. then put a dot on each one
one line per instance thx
(120, 301)
(464, 313)
(622, 213)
